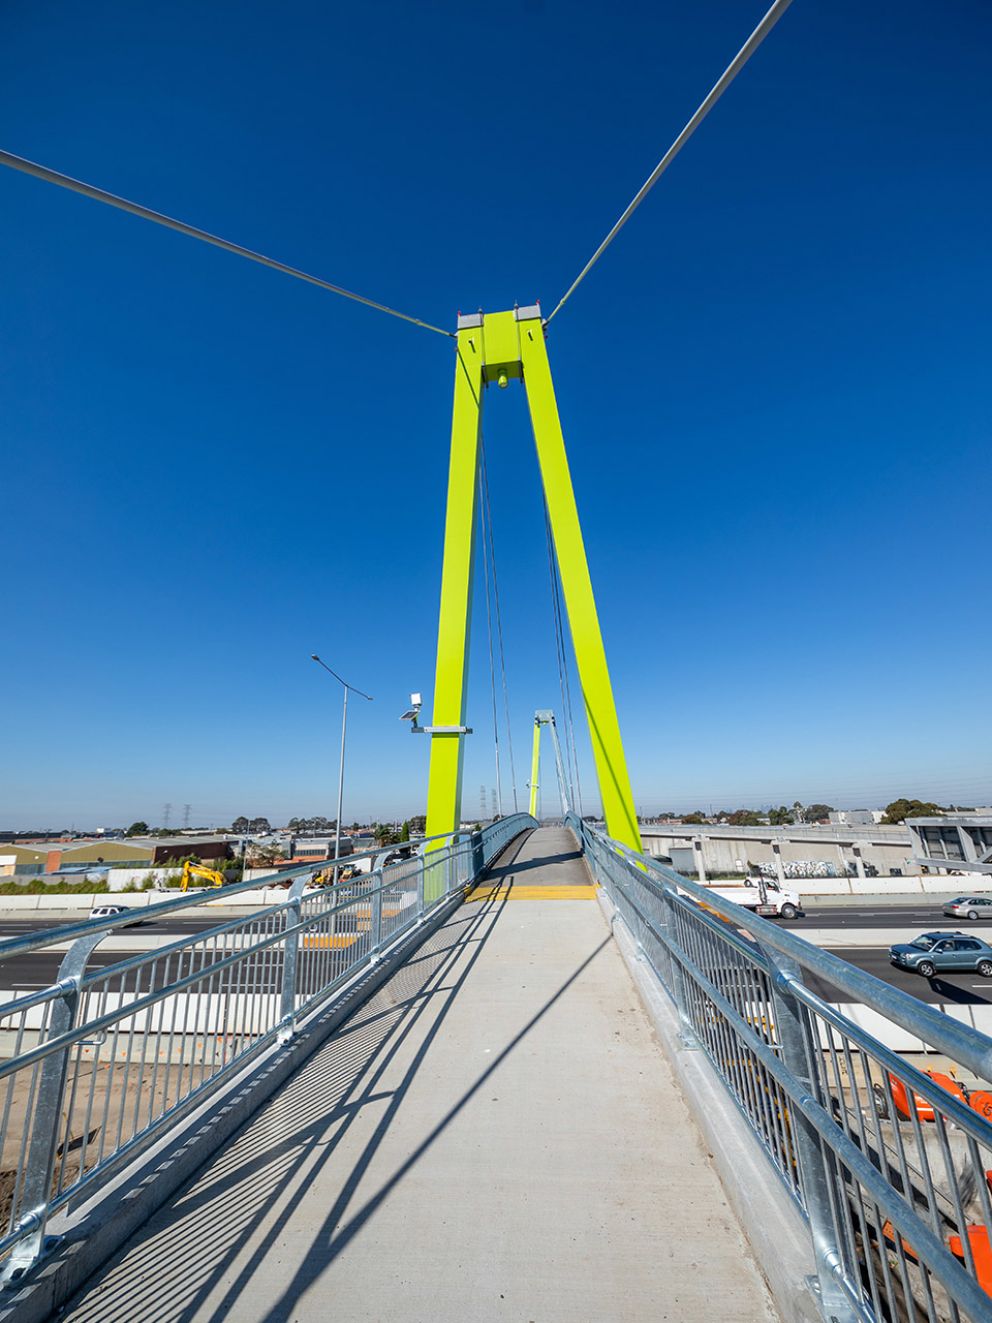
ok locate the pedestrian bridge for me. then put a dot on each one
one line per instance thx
(566, 1088)
(442, 1156)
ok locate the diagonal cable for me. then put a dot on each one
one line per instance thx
(489, 629)
(724, 81)
(499, 618)
(136, 209)
(568, 688)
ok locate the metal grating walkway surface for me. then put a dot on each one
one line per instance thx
(495, 1135)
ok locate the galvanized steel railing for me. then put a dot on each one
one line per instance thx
(891, 1171)
(105, 1059)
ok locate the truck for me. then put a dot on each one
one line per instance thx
(761, 894)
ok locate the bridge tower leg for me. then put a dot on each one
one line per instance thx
(444, 787)
(535, 768)
(496, 347)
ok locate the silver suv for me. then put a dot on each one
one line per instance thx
(933, 953)
(969, 907)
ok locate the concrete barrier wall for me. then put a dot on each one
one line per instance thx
(192, 1014)
(724, 847)
(119, 878)
(808, 887)
(79, 902)
(979, 1016)
(932, 884)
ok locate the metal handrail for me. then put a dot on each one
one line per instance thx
(967, 1045)
(175, 1021)
(887, 1167)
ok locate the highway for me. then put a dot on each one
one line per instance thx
(896, 923)
(921, 914)
(949, 989)
(39, 969)
(17, 927)
(261, 973)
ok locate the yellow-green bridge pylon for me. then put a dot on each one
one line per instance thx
(545, 717)
(495, 347)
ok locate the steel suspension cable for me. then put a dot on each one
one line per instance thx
(191, 231)
(484, 469)
(568, 701)
(718, 89)
(557, 630)
(561, 657)
(489, 628)
(570, 723)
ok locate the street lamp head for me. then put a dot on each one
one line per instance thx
(348, 688)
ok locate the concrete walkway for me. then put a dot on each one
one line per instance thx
(495, 1136)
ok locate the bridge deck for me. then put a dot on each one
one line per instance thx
(496, 1135)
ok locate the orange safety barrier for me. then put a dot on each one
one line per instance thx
(981, 1252)
(922, 1106)
(889, 1232)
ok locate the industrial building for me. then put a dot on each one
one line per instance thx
(31, 858)
(856, 817)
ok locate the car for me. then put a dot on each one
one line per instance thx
(107, 911)
(969, 907)
(944, 953)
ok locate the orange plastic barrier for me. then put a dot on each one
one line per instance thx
(981, 1251)
(889, 1232)
(922, 1106)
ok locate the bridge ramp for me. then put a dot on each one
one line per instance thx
(494, 1136)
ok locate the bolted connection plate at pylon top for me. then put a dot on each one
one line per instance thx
(496, 336)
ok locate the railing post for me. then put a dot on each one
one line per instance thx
(687, 1032)
(376, 917)
(798, 1045)
(290, 960)
(47, 1115)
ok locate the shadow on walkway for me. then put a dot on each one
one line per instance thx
(194, 1246)
(526, 865)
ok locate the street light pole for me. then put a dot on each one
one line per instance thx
(337, 820)
(344, 728)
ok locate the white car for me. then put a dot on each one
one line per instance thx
(107, 911)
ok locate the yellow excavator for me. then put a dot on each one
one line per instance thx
(191, 871)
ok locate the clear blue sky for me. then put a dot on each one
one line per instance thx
(775, 390)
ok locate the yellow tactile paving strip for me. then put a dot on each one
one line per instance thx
(513, 891)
